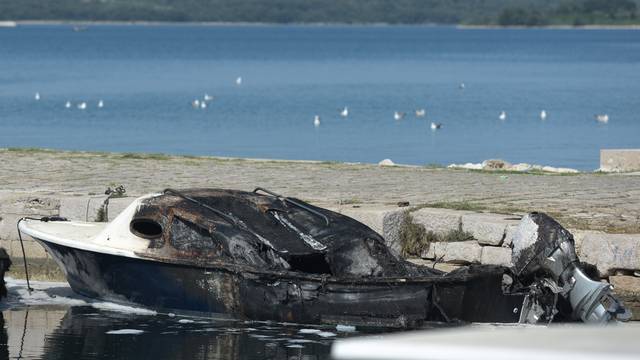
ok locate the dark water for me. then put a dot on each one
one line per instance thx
(84, 332)
(54, 323)
(148, 76)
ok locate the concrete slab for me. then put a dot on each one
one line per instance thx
(619, 160)
(496, 255)
(488, 229)
(610, 252)
(440, 221)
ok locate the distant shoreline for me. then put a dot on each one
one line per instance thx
(257, 24)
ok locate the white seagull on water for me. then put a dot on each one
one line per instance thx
(421, 112)
(82, 105)
(37, 96)
(543, 114)
(435, 126)
(398, 115)
(602, 118)
(67, 104)
(344, 112)
(239, 80)
(503, 115)
(316, 120)
(100, 104)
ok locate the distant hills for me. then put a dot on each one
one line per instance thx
(465, 12)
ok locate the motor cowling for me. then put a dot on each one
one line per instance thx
(546, 264)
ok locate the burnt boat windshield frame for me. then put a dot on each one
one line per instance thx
(293, 202)
(226, 217)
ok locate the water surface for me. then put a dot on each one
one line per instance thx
(149, 75)
(54, 323)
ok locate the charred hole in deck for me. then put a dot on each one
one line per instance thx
(146, 228)
(310, 263)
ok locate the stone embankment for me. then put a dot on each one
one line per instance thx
(463, 217)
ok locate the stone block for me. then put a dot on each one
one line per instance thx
(488, 229)
(618, 160)
(509, 231)
(440, 221)
(611, 251)
(495, 255)
(28, 205)
(628, 289)
(579, 235)
(86, 208)
(31, 249)
(8, 226)
(461, 252)
(81, 208)
(385, 220)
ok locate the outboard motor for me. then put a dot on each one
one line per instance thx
(545, 262)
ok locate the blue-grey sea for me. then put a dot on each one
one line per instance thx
(148, 76)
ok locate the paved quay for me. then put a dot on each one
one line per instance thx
(606, 202)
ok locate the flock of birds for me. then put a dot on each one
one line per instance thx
(397, 115)
(81, 105)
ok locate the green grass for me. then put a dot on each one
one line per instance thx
(144, 156)
(434, 166)
(352, 201)
(535, 172)
(454, 205)
(31, 150)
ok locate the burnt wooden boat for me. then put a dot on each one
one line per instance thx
(261, 256)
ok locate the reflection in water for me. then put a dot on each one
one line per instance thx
(84, 332)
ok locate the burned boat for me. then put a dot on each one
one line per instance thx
(261, 256)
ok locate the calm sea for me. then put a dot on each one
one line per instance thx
(148, 77)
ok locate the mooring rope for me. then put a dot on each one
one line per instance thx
(24, 255)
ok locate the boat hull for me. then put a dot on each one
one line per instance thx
(222, 292)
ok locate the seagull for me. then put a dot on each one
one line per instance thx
(344, 112)
(37, 96)
(602, 118)
(420, 113)
(208, 97)
(195, 103)
(239, 80)
(203, 105)
(435, 126)
(398, 115)
(100, 104)
(543, 114)
(503, 115)
(316, 120)
(82, 105)
(67, 104)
